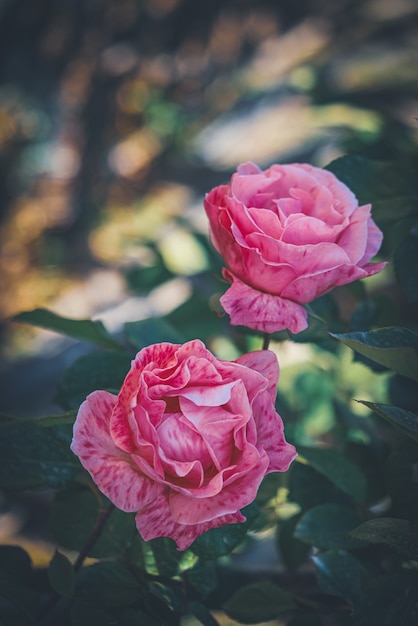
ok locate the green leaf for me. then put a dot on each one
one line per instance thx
(340, 574)
(150, 331)
(133, 617)
(403, 393)
(400, 474)
(202, 613)
(391, 210)
(84, 614)
(107, 584)
(143, 279)
(394, 347)
(305, 620)
(221, 541)
(258, 602)
(18, 600)
(34, 456)
(340, 471)
(327, 526)
(98, 370)
(406, 264)
(86, 330)
(73, 515)
(293, 551)
(57, 420)
(392, 600)
(406, 421)
(194, 319)
(166, 556)
(202, 577)
(371, 180)
(396, 533)
(309, 488)
(167, 597)
(15, 562)
(61, 575)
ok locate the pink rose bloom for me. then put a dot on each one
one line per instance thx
(287, 236)
(187, 441)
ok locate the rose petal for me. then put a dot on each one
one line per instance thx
(233, 497)
(156, 520)
(354, 237)
(374, 241)
(301, 230)
(311, 286)
(265, 363)
(248, 168)
(181, 445)
(302, 258)
(216, 426)
(343, 199)
(110, 468)
(374, 268)
(270, 435)
(261, 311)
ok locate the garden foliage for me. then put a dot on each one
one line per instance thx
(344, 517)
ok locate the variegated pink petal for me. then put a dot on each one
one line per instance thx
(261, 311)
(233, 497)
(110, 467)
(264, 362)
(156, 520)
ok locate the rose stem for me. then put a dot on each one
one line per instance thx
(98, 528)
(266, 341)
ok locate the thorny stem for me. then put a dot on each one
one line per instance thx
(266, 341)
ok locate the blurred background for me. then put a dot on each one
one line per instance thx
(116, 116)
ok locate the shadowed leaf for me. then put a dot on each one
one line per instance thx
(338, 469)
(327, 526)
(258, 602)
(394, 347)
(85, 330)
(396, 533)
(406, 421)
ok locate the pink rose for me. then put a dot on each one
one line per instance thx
(287, 235)
(187, 441)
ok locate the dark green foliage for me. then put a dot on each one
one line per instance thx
(338, 469)
(328, 526)
(406, 264)
(341, 574)
(221, 541)
(396, 533)
(86, 330)
(406, 421)
(150, 331)
(259, 602)
(73, 516)
(18, 601)
(33, 456)
(98, 370)
(108, 585)
(293, 551)
(395, 348)
(61, 575)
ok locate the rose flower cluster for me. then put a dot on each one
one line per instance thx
(189, 438)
